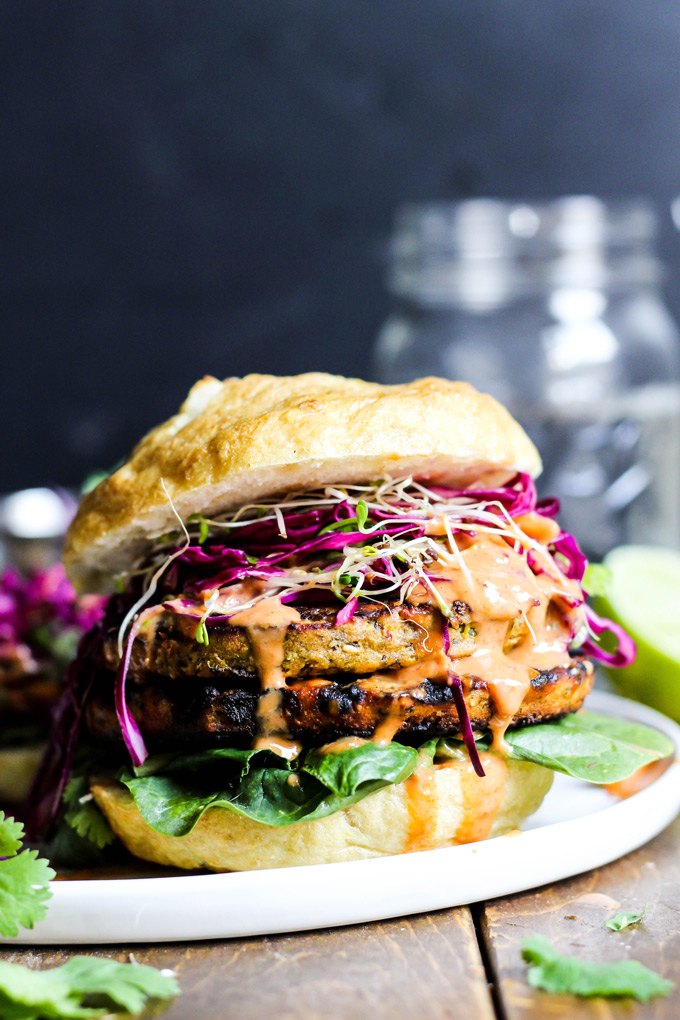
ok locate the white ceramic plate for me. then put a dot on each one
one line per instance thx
(578, 827)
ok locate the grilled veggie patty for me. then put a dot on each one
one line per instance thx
(174, 714)
(379, 636)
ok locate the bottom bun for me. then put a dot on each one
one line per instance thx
(438, 806)
(18, 766)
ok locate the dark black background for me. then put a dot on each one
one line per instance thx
(207, 186)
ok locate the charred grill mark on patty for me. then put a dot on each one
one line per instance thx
(173, 714)
(384, 636)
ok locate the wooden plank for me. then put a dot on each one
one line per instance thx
(421, 967)
(572, 915)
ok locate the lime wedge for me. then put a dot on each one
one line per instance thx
(643, 595)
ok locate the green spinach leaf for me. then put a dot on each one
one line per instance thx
(276, 792)
(596, 748)
(173, 791)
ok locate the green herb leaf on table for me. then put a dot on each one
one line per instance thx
(83, 988)
(24, 881)
(625, 919)
(569, 975)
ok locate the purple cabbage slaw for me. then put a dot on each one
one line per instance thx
(261, 540)
(44, 799)
(132, 735)
(258, 547)
(44, 599)
(31, 605)
(518, 497)
(625, 651)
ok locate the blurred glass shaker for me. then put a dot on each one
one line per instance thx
(555, 309)
(33, 524)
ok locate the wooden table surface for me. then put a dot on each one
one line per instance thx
(460, 964)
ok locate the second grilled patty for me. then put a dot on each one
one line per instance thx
(175, 715)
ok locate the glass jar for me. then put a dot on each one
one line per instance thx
(556, 310)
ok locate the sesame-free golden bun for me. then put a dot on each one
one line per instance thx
(453, 805)
(249, 439)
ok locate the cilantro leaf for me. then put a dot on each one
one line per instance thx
(24, 881)
(83, 815)
(552, 972)
(61, 993)
(625, 919)
(11, 835)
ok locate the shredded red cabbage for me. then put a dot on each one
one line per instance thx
(42, 601)
(347, 612)
(625, 651)
(213, 554)
(235, 574)
(304, 595)
(566, 546)
(44, 799)
(518, 497)
(128, 727)
(456, 685)
(549, 507)
(339, 539)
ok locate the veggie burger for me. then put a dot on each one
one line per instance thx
(341, 625)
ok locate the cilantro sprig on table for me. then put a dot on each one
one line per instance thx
(84, 988)
(625, 919)
(569, 975)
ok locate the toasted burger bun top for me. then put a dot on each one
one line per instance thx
(247, 439)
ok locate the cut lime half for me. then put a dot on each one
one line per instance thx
(643, 595)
